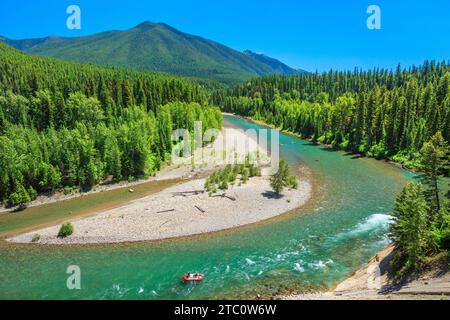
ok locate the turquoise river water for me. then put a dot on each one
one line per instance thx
(313, 248)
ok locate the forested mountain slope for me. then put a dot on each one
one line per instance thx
(70, 125)
(275, 64)
(156, 47)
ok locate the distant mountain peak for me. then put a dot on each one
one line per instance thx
(145, 24)
(151, 46)
(277, 65)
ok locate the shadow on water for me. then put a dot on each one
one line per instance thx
(354, 156)
(310, 143)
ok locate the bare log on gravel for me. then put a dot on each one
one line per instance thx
(164, 211)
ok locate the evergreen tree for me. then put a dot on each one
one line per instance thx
(408, 230)
(113, 158)
(65, 124)
(282, 178)
(434, 164)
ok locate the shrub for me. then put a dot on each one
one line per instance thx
(66, 230)
(344, 145)
(222, 179)
(245, 175)
(293, 182)
(254, 171)
(20, 196)
(223, 185)
(321, 139)
(439, 232)
(409, 160)
(363, 148)
(232, 176)
(32, 193)
(36, 238)
(67, 190)
(378, 151)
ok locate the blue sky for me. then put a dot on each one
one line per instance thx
(312, 35)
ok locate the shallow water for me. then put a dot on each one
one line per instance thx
(312, 248)
(85, 205)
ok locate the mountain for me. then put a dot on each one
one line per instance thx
(278, 66)
(157, 47)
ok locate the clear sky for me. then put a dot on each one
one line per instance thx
(307, 34)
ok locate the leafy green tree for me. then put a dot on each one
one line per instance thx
(13, 109)
(49, 177)
(83, 109)
(19, 196)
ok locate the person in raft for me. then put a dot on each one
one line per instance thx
(191, 276)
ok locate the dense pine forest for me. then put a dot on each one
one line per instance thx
(380, 113)
(68, 125)
(403, 116)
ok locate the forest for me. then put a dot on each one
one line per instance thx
(420, 229)
(71, 126)
(380, 113)
(401, 115)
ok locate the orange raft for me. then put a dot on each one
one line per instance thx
(193, 277)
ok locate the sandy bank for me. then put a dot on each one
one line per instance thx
(230, 143)
(374, 281)
(171, 214)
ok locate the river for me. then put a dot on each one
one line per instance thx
(313, 248)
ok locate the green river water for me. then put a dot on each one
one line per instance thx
(315, 247)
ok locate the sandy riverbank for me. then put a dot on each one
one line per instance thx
(205, 159)
(375, 281)
(169, 172)
(170, 214)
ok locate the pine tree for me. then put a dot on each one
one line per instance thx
(434, 164)
(113, 158)
(408, 230)
(282, 178)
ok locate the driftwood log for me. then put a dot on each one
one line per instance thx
(164, 211)
(224, 195)
(188, 193)
(164, 223)
(200, 209)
